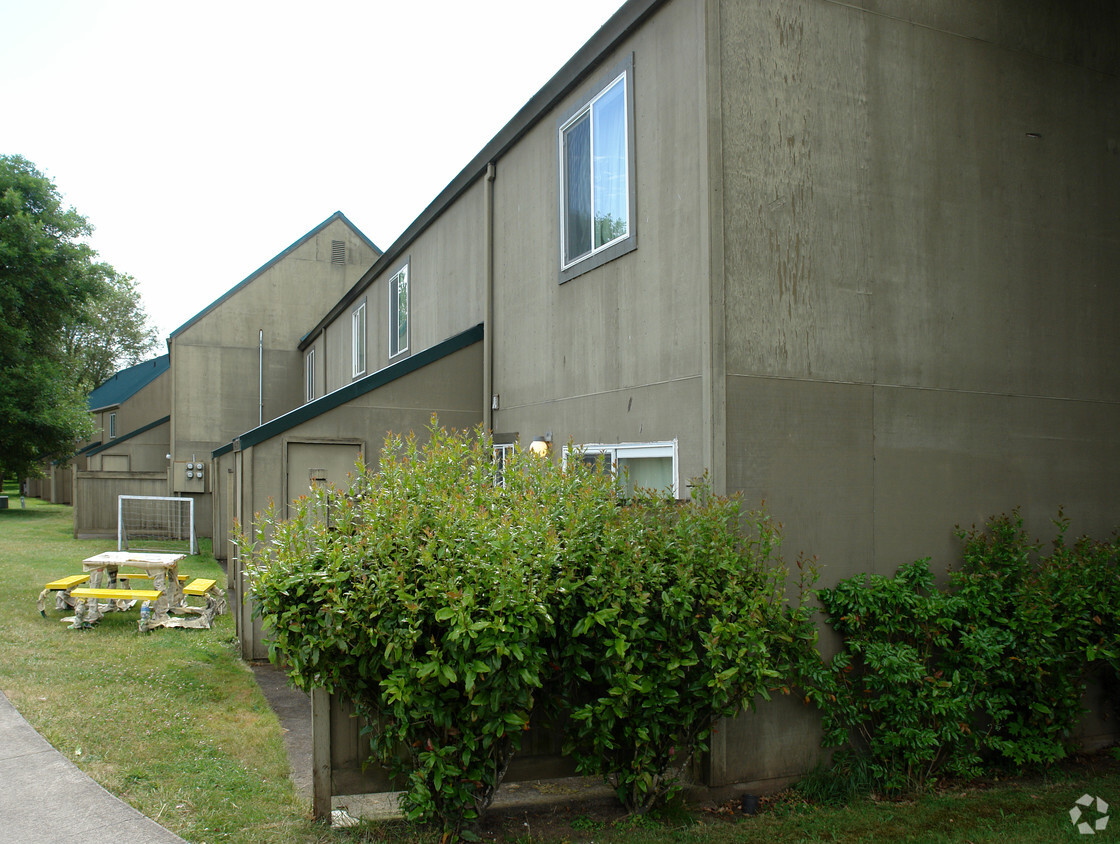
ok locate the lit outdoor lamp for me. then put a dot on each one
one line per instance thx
(541, 445)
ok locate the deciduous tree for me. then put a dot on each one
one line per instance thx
(55, 299)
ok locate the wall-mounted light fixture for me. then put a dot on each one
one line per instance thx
(542, 444)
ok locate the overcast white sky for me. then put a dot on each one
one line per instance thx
(201, 139)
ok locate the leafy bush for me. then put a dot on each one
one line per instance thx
(428, 602)
(889, 688)
(450, 607)
(1034, 627)
(681, 623)
(985, 674)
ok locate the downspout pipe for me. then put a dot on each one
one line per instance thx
(488, 332)
(260, 378)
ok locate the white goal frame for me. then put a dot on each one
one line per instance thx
(122, 539)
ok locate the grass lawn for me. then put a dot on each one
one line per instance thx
(173, 722)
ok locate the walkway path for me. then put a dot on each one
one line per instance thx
(44, 798)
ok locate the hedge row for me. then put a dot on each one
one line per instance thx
(450, 602)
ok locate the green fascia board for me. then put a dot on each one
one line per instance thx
(97, 449)
(353, 390)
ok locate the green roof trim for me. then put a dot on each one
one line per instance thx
(97, 449)
(353, 390)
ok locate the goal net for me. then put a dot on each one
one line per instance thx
(152, 523)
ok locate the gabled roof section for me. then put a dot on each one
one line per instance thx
(128, 382)
(621, 25)
(351, 391)
(97, 449)
(337, 215)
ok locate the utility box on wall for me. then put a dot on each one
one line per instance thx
(190, 476)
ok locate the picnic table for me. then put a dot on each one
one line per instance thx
(111, 581)
(104, 574)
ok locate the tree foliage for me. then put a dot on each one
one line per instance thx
(112, 331)
(66, 320)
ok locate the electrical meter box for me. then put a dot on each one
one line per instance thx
(190, 476)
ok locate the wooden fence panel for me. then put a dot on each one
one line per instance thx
(95, 498)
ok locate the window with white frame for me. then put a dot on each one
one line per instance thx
(309, 375)
(398, 312)
(112, 426)
(650, 466)
(596, 177)
(358, 344)
(502, 453)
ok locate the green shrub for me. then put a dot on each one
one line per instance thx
(889, 690)
(450, 608)
(987, 674)
(681, 623)
(428, 602)
(1035, 626)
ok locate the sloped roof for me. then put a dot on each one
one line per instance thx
(128, 382)
(97, 448)
(351, 391)
(337, 215)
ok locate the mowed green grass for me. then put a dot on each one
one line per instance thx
(173, 722)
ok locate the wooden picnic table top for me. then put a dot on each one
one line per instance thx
(133, 558)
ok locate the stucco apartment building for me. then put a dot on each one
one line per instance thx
(227, 369)
(857, 259)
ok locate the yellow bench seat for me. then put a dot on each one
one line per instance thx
(199, 587)
(116, 594)
(64, 583)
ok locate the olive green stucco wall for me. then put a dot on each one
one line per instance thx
(446, 268)
(613, 355)
(215, 365)
(922, 242)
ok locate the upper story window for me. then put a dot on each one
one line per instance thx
(596, 177)
(309, 376)
(358, 339)
(398, 312)
(112, 426)
(637, 465)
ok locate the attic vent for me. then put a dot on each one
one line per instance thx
(338, 251)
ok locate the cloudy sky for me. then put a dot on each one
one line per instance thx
(202, 139)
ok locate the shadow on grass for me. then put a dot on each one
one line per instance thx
(17, 514)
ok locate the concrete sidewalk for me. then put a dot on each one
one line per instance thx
(45, 798)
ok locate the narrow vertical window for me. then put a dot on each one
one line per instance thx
(596, 157)
(359, 339)
(310, 376)
(112, 426)
(398, 312)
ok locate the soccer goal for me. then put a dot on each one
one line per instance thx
(152, 523)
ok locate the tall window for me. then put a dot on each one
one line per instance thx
(358, 318)
(398, 312)
(595, 177)
(310, 375)
(637, 465)
(112, 426)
